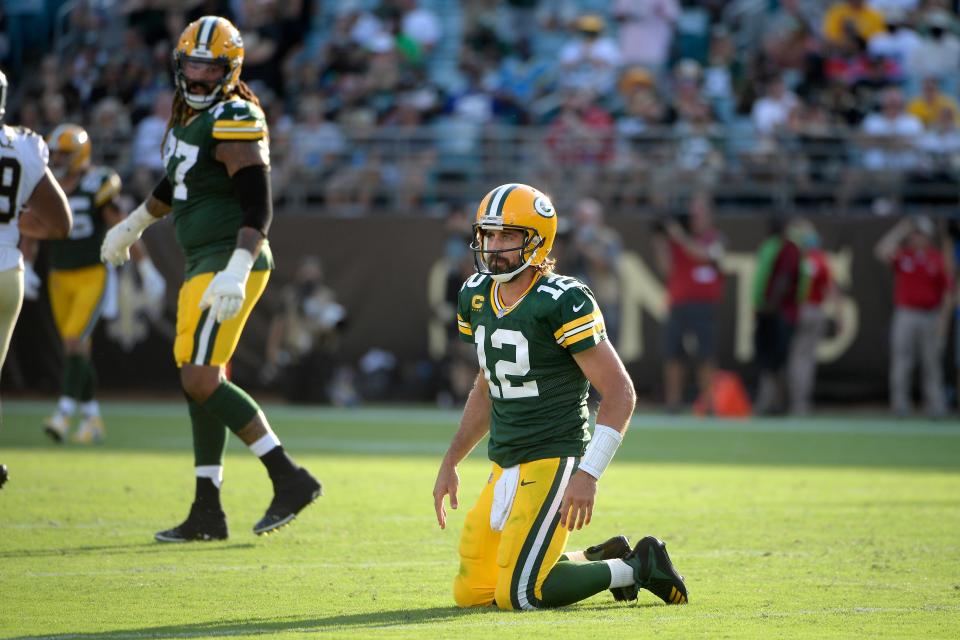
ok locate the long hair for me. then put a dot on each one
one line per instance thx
(181, 111)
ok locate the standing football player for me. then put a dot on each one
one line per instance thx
(31, 203)
(78, 279)
(217, 185)
(541, 343)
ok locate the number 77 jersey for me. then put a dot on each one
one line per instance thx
(206, 213)
(538, 392)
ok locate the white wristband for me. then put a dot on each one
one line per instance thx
(241, 262)
(600, 450)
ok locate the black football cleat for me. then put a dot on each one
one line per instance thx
(203, 524)
(654, 571)
(616, 547)
(3, 475)
(290, 496)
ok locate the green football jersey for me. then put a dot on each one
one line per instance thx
(206, 213)
(95, 190)
(538, 392)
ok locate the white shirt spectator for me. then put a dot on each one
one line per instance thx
(939, 57)
(315, 146)
(904, 126)
(590, 64)
(147, 139)
(422, 26)
(646, 30)
(771, 112)
(899, 45)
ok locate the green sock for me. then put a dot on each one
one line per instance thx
(89, 384)
(73, 374)
(570, 582)
(232, 406)
(209, 436)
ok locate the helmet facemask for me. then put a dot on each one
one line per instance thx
(495, 262)
(216, 90)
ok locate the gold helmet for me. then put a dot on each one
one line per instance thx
(515, 206)
(70, 148)
(209, 40)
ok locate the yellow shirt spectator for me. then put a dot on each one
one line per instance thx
(866, 20)
(927, 108)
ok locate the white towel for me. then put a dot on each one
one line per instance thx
(503, 494)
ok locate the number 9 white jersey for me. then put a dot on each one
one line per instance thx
(23, 161)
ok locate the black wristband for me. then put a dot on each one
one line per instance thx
(163, 191)
(251, 186)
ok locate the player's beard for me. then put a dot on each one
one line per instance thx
(500, 264)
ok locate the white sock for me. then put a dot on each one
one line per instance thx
(265, 444)
(621, 574)
(576, 556)
(213, 471)
(66, 406)
(90, 409)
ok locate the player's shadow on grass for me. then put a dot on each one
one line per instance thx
(117, 549)
(358, 621)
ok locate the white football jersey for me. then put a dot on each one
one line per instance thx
(23, 161)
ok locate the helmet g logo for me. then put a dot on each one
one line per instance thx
(543, 206)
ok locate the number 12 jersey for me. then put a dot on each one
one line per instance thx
(537, 390)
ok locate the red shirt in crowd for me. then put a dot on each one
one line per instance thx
(919, 278)
(691, 279)
(818, 270)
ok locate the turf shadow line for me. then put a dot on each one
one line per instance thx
(120, 549)
(379, 619)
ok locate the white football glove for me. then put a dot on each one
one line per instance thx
(31, 282)
(224, 295)
(154, 286)
(116, 244)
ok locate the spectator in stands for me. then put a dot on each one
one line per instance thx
(112, 125)
(940, 146)
(928, 106)
(775, 288)
(819, 298)
(898, 42)
(938, 53)
(851, 19)
(689, 260)
(593, 255)
(317, 145)
(646, 31)
(590, 59)
(921, 298)
(579, 142)
(148, 139)
(520, 82)
(889, 149)
(420, 24)
(718, 76)
(772, 112)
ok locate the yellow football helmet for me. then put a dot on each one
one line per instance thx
(209, 40)
(516, 206)
(70, 150)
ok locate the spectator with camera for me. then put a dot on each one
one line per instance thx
(689, 258)
(921, 298)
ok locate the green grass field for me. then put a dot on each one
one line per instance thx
(819, 528)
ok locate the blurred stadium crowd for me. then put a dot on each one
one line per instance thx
(402, 106)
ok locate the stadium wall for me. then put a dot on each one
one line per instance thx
(390, 274)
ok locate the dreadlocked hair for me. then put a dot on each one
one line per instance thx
(181, 111)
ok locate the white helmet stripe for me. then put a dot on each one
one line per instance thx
(494, 208)
(206, 31)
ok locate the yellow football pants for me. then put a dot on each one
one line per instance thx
(200, 338)
(509, 567)
(76, 298)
